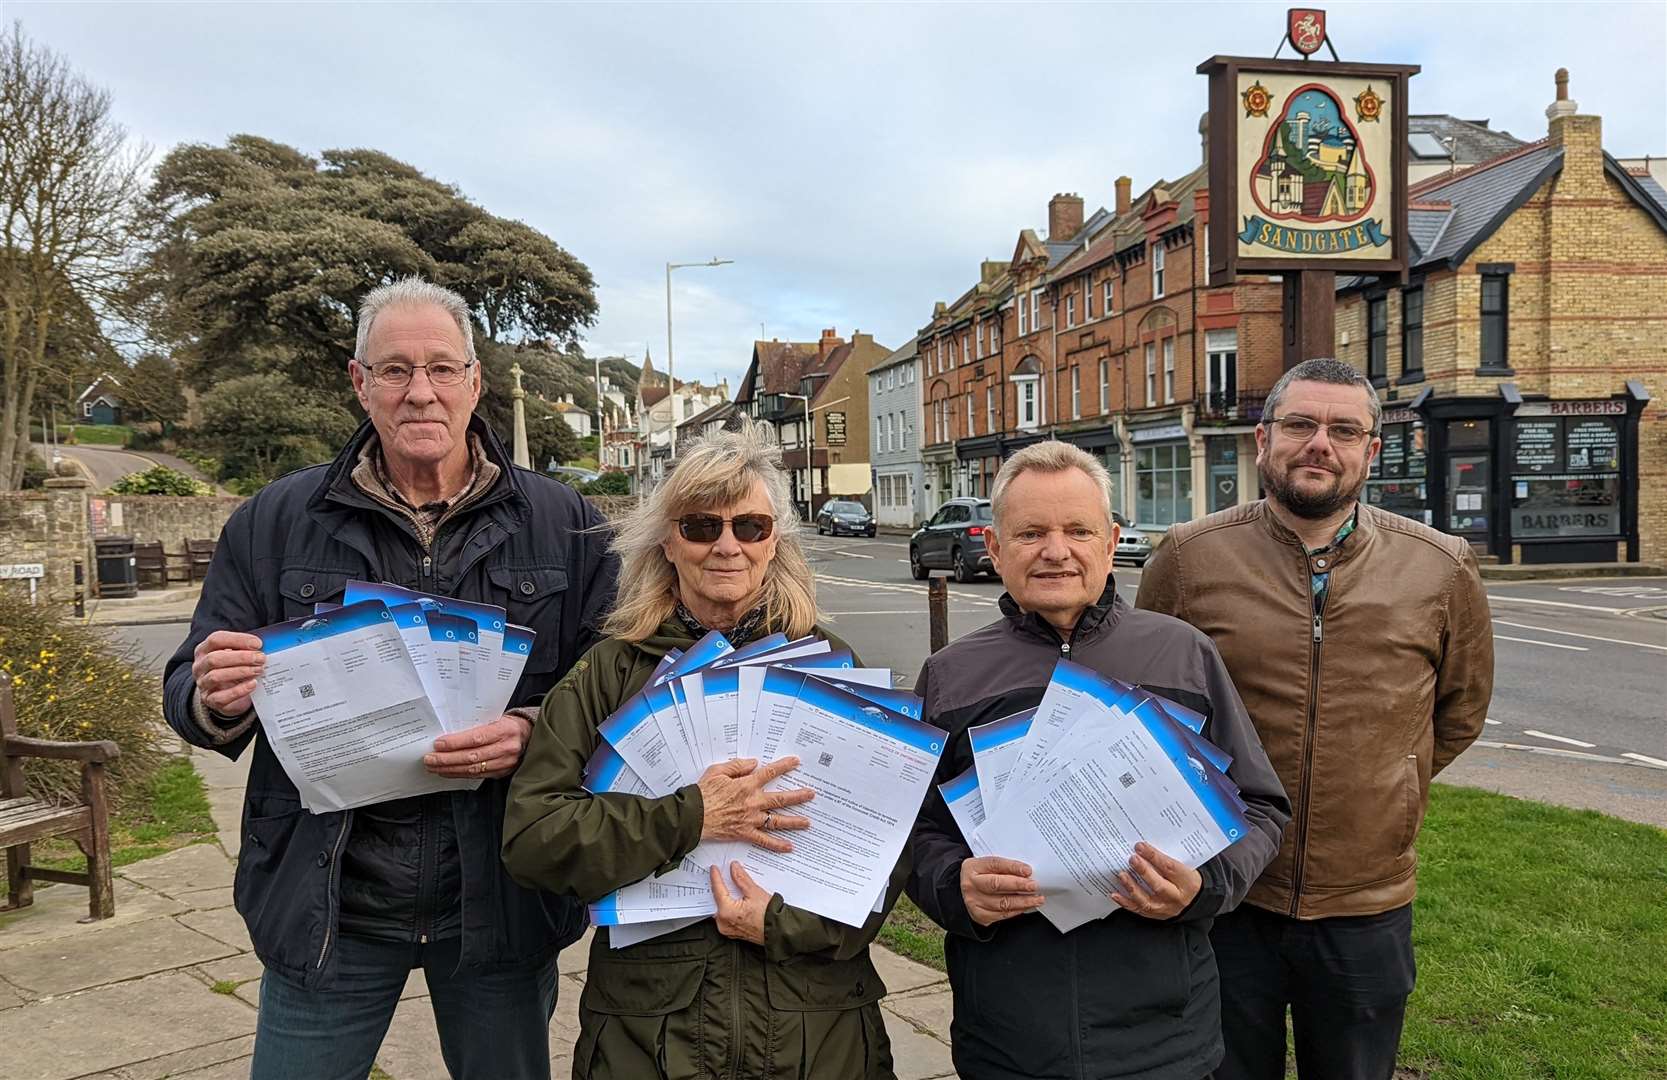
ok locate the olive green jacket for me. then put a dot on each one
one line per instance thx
(692, 1004)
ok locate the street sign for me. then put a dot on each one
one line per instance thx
(22, 570)
(836, 429)
(1307, 166)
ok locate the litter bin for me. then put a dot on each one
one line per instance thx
(118, 567)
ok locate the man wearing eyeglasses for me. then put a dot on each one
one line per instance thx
(342, 907)
(1361, 644)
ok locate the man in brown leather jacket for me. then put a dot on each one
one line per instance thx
(1361, 644)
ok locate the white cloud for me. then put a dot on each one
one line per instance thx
(856, 161)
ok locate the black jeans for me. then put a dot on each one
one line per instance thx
(1346, 981)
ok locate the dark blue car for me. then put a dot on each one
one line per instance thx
(953, 540)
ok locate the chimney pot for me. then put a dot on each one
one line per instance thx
(1562, 84)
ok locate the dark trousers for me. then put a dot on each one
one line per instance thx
(494, 1025)
(1345, 981)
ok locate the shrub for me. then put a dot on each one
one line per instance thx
(71, 682)
(208, 464)
(609, 483)
(159, 480)
(35, 470)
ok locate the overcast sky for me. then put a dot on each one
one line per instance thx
(856, 161)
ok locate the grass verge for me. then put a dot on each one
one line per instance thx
(1541, 935)
(172, 813)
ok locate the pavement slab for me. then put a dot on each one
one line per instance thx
(58, 910)
(576, 957)
(928, 1009)
(411, 1049)
(242, 968)
(10, 998)
(196, 1062)
(221, 924)
(189, 869)
(128, 952)
(915, 1056)
(135, 1021)
(208, 899)
(901, 974)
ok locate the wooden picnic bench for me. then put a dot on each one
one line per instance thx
(199, 553)
(24, 819)
(151, 562)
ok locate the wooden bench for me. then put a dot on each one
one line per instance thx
(24, 820)
(151, 562)
(199, 553)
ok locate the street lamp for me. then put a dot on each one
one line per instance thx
(671, 373)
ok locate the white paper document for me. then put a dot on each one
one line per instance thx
(345, 711)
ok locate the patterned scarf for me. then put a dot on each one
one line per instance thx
(748, 628)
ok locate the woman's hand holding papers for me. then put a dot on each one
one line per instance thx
(736, 806)
(225, 666)
(1169, 886)
(741, 919)
(995, 889)
(483, 752)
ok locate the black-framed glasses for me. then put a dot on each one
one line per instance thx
(1302, 429)
(396, 374)
(706, 528)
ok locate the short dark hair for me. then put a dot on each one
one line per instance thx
(1325, 369)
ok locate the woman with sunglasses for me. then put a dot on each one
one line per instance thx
(761, 989)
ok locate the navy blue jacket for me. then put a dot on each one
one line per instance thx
(524, 546)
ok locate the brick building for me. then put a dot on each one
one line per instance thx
(833, 374)
(1516, 363)
(1104, 334)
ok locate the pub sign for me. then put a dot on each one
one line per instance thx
(1308, 163)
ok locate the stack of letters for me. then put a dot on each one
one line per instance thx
(1071, 786)
(861, 747)
(353, 696)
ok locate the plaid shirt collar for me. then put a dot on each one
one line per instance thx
(370, 476)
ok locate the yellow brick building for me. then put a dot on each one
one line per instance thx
(1517, 364)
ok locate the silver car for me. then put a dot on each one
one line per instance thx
(1132, 544)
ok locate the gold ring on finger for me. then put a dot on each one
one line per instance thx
(480, 766)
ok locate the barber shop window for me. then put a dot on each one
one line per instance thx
(1377, 338)
(1412, 332)
(1496, 304)
(1565, 476)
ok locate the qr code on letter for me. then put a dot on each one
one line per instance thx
(825, 759)
(1127, 779)
(307, 690)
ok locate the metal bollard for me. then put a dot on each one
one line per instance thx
(937, 607)
(80, 590)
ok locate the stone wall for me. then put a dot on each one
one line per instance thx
(48, 526)
(172, 519)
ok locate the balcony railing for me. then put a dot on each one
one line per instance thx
(1242, 405)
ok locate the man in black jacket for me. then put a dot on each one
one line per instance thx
(1134, 995)
(341, 907)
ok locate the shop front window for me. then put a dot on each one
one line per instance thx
(1565, 477)
(1398, 479)
(1163, 484)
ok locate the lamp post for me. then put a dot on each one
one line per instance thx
(671, 373)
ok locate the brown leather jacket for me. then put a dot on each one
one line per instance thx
(1357, 707)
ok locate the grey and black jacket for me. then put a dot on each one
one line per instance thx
(1125, 996)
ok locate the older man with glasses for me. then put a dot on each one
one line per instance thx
(1361, 644)
(343, 906)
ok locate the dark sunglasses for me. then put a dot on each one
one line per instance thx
(706, 528)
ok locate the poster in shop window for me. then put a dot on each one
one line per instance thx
(1538, 446)
(1593, 444)
(1307, 165)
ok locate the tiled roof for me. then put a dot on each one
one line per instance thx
(899, 356)
(1473, 140)
(1479, 197)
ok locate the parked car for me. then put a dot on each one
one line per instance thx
(1132, 544)
(953, 540)
(843, 516)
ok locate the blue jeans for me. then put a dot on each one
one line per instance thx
(493, 1025)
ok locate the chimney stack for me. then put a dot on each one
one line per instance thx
(1123, 185)
(1064, 216)
(830, 341)
(1581, 137)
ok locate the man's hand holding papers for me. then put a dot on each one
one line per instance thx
(225, 666)
(485, 751)
(996, 889)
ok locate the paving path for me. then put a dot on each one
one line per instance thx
(169, 987)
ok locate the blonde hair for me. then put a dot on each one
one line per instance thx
(716, 472)
(1049, 456)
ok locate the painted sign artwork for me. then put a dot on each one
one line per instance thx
(1314, 167)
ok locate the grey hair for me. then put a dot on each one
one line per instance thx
(715, 472)
(1325, 369)
(413, 292)
(1049, 456)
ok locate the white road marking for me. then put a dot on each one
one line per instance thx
(852, 554)
(906, 611)
(1655, 761)
(914, 590)
(1547, 644)
(1557, 738)
(1490, 720)
(1571, 633)
(1555, 752)
(1556, 603)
